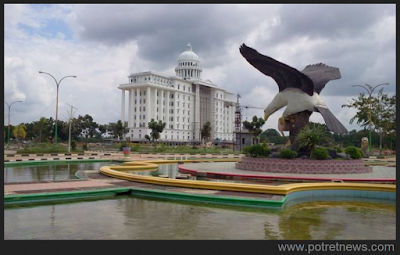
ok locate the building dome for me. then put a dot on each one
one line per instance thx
(188, 54)
(188, 65)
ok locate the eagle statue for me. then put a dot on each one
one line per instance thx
(298, 91)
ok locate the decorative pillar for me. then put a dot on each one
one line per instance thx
(130, 109)
(156, 105)
(148, 111)
(161, 108)
(197, 114)
(137, 107)
(167, 110)
(123, 106)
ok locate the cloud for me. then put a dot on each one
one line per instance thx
(103, 44)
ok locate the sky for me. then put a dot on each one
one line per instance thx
(102, 44)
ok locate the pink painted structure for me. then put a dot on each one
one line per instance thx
(303, 166)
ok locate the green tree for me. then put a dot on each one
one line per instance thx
(378, 111)
(272, 136)
(118, 129)
(205, 131)
(156, 129)
(20, 132)
(308, 138)
(87, 126)
(40, 126)
(254, 127)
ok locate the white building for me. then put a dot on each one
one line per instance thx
(184, 102)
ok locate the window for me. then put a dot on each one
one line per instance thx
(144, 100)
(144, 108)
(140, 109)
(135, 117)
(135, 109)
(140, 100)
(144, 93)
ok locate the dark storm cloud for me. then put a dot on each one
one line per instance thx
(328, 21)
(162, 31)
(344, 36)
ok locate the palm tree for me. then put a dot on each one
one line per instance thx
(308, 138)
(19, 132)
(40, 126)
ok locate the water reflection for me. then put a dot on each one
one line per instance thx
(172, 171)
(130, 217)
(61, 171)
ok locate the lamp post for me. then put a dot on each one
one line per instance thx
(58, 85)
(370, 90)
(9, 118)
(69, 132)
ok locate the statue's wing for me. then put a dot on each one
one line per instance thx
(321, 74)
(284, 75)
(332, 123)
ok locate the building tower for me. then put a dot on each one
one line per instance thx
(188, 65)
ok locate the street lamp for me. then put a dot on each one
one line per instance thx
(370, 90)
(58, 85)
(9, 110)
(69, 132)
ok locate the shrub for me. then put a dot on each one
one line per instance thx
(338, 149)
(309, 138)
(73, 145)
(257, 150)
(45, 148)
(287, 154)
(84, 147)
(353, 152)
(122, 145)
(319, 153)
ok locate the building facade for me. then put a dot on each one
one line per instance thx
(184, 102)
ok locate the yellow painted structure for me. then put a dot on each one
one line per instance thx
(120, 172)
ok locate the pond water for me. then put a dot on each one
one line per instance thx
(130, 217)
(62, 171)
(57, 171)
(172, 171)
